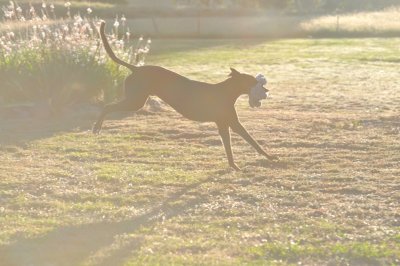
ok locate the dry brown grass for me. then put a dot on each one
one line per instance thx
(154, 188)
(362, 23)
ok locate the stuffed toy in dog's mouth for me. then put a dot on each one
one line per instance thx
(258, 92)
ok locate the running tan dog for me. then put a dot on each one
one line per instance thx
(195, 100)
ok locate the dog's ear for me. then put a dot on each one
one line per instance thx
(234, 72)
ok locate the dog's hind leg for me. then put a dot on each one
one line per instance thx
(241, 131)
(133, 104)
(226, 139)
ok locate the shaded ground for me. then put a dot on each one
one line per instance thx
(154, 188)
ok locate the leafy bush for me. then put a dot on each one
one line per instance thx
(61, 61)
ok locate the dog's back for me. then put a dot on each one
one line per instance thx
(195, 100)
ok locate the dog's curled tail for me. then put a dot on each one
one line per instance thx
(109, 51)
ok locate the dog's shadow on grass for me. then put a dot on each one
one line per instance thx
(20, 131)
(264, 163)
(74, 245)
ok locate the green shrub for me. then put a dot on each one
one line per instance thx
(62, 62)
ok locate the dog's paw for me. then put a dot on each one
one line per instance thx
(273, 158)
(96, 129)
(235, 167)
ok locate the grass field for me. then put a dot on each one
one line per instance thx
(155, 188)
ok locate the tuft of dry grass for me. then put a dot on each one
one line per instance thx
(382, 23)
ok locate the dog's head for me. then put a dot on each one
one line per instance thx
(253, 86)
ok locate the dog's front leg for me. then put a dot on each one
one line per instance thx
(239, 129)
(226, 139)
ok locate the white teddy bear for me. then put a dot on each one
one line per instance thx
(258, 92)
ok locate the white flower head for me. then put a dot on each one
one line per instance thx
(258, 92)
(7, 14)
(11, 5)
(78, 19)
(116, 23)
(11, 35)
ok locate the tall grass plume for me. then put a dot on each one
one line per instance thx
(60, 60)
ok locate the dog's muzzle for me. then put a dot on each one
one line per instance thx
(258, 92)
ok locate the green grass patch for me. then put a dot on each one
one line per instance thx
(361, 252)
